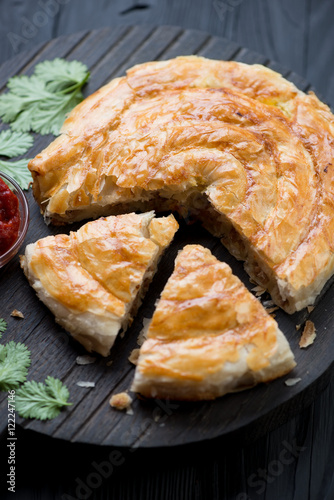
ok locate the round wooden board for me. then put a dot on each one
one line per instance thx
(108, 53)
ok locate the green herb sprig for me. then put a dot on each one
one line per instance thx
(41, 102)
(41, 401)
(16, 144)
(3, 326)
(37, 103)
(14, 363)
(32, 399)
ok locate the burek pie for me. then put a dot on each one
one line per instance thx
(93, 280)
(235, 145)
(208, 335)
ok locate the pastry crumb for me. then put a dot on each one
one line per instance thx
(141, 338)
(110, 362)
(298, 327)
(129, 411)
(259, 290)
(83, 383)
(85, 360)
(310, 309)
(272, 309)
(308, 335)
(121, 401)
(142, 335)
(133, 358)
(17, 314)
(292, 381)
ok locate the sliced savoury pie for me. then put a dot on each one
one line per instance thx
(93, 279)
(208, 335)
(235, 145)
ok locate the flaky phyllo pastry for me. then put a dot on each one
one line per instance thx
(208, 335)
(235, 145)
(93, 280)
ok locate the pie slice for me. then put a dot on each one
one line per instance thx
(235, 145)
(93, 280)
(208, 335)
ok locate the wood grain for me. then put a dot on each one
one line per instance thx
(250, 414)
(213, 470)
(297, 34)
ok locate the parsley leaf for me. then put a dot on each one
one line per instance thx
(3, 326)
(59, 76)
(41, 401)
(24, 93)
(14, 364)
(41, 102)
(18, 170)
(14, 143)
(50, 115)
(33, 399)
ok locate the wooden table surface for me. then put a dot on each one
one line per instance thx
(295, 460)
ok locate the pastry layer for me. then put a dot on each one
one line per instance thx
(93, 280)
(208, 335)
(235, 144)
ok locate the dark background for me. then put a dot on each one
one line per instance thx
(296, 33)
(296, 460)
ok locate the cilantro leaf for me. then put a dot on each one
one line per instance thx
(24, 93)
(14, 143)
(3, 326)
(41, 401)
(14, 364)
(59, 76)
(41, 102)
(18, 170)
(50, 115)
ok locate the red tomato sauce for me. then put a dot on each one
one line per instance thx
(9, 217)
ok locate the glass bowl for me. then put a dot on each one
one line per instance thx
(24, 219)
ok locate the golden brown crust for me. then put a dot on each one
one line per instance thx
(174, 132)
(208, 335)
(91, 279)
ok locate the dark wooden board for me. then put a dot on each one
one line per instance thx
(298, 34)
(108, 53)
